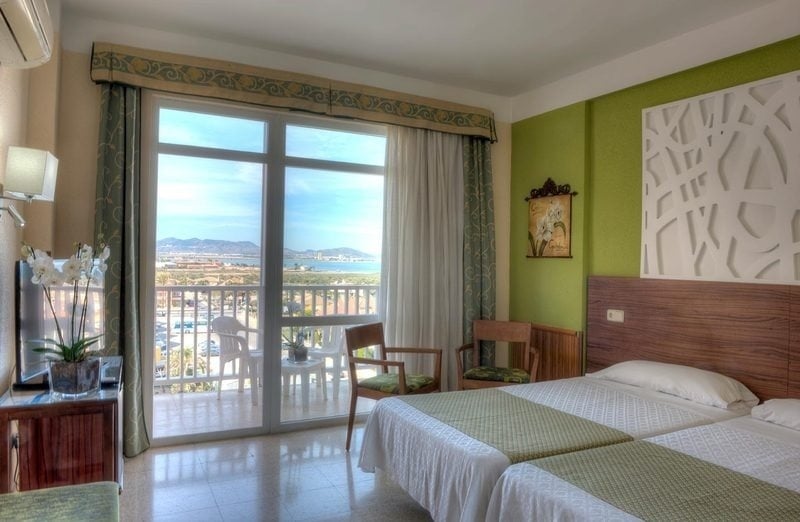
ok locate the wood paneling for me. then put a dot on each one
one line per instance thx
(794, 343)
(737, 329)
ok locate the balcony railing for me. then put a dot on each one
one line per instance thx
(187, 351)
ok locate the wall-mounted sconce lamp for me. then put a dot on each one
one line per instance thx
(30, 175)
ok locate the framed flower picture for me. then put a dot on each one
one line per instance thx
(550, 221)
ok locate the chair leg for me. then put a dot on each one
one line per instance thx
(219, 387)
(242, 373)
(351, 418)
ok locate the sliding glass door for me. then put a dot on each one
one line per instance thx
(269, 222)
(333, 215)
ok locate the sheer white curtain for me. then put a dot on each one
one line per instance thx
(421, 302)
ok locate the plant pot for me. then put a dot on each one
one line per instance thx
(300, 354)
(74, 380)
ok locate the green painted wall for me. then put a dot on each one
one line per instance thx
(615, 187)
(553, 145)
(596, 147)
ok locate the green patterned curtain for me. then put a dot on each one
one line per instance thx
(479, 244)
(116, 221)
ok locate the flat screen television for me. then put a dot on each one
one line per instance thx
(29, 325)
(34, 321)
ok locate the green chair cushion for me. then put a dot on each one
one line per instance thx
(490, 373)
(388, 382)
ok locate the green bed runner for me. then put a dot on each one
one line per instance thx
(656, 483)
(520, 429)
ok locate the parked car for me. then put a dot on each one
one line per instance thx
(203, 347)
(189, 326)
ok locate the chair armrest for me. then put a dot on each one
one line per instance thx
(463, 348)
(534, 356)
(243, 347)
(433, 351)
(401, 370)
(460, 358)
(436, 352)
(376, 362)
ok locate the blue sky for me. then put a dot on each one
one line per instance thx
(216, 199)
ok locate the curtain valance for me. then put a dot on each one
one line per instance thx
(112, 63)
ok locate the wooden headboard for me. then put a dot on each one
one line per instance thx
(750, 332)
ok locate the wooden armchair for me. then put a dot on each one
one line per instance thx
(491, 376)
(385, 383)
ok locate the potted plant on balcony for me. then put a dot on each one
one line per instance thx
(298, 352)
(72, 372)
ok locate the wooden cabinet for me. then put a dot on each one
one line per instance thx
(56, 443)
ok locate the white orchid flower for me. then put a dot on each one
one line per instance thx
(80, 270)
(72, 270)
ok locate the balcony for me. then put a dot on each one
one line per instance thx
(187, 355)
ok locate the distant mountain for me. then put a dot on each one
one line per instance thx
(172, 245)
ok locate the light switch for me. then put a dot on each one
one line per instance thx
(615, 316)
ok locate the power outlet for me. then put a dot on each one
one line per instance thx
(615, 316)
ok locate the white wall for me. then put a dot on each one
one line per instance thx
(80, 32)
(774, 22)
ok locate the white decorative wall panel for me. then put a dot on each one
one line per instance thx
(721, 185)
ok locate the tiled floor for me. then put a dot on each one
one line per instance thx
(297, 476)
(176, 414)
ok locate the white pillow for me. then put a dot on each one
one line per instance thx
(694, 384)
(785, 412)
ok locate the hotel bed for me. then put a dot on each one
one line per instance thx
(448, 450)
(747, 332)
(740, 469)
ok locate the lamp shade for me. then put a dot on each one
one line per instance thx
(30, 173)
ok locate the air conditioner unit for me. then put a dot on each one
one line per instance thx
(26, 33)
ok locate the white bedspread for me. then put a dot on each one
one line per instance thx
(452, 475)
(756, 448)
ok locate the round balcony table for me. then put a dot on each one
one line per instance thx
(304, 369)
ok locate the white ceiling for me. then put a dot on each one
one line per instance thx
(500, 47)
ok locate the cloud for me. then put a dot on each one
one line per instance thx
(222, 199)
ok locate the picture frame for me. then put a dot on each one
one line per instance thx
(550, 221)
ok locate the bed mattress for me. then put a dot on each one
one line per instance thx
(745, 445)
(453, 475)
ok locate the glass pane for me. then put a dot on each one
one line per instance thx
(332, 242)
(208, 257)
(210, 199)
(335, 145)
(210, 130)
